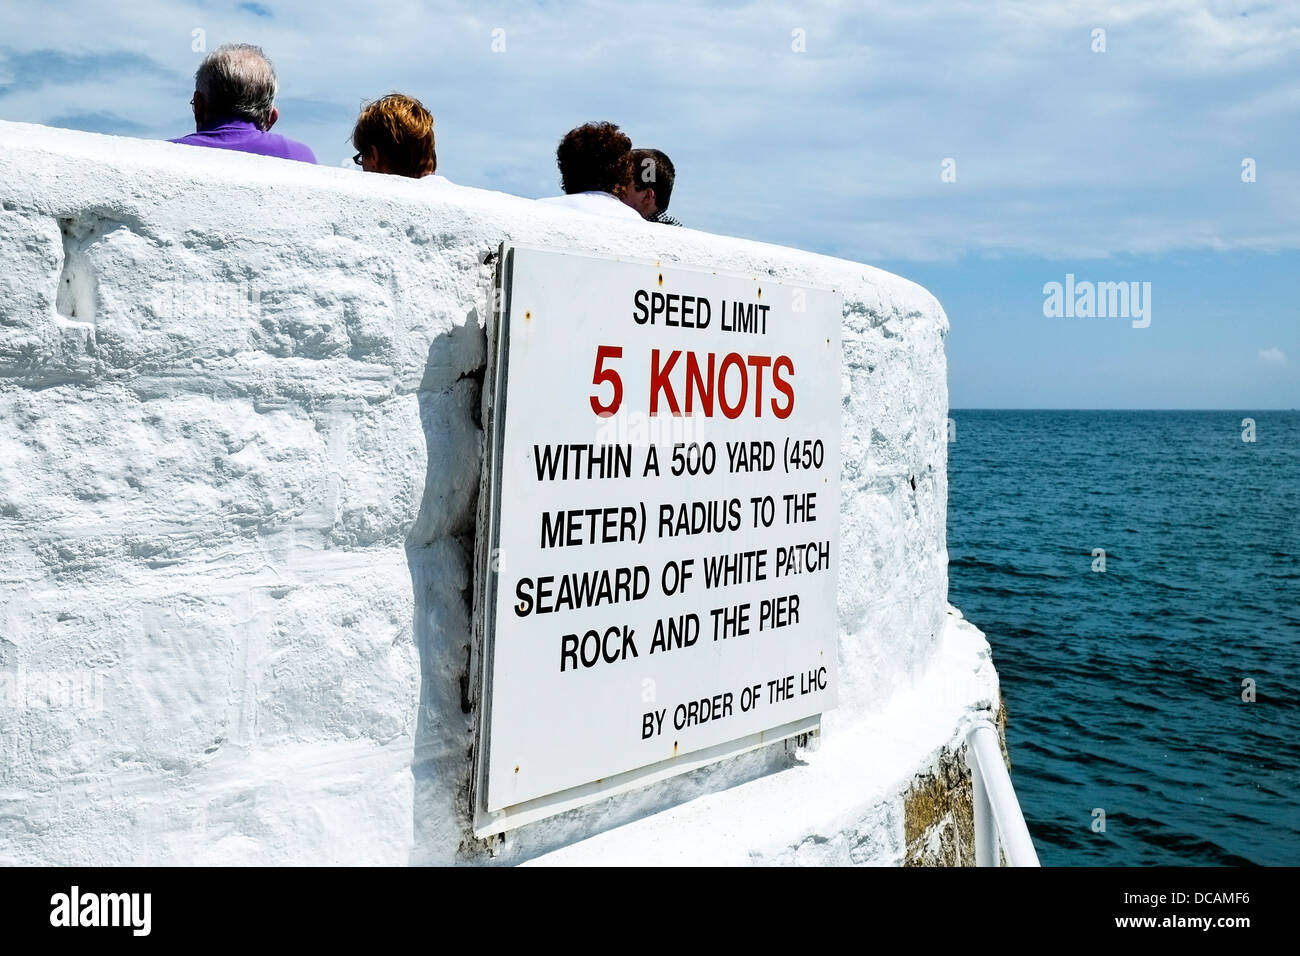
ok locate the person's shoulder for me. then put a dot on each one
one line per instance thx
(200, 138)
(626, 212)
(292, 149)
(595, 203)
(281, 147)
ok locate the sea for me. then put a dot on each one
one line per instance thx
(1138, 577)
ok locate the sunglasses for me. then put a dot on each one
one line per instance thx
(357, 159)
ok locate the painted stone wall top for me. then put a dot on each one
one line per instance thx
(239, 455)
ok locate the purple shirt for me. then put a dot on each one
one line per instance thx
(244, 136)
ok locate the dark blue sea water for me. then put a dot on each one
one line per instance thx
(1124, 687)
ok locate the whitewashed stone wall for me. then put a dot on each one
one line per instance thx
(239, 456)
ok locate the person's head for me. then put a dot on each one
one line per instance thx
(394, 134)
(235, 81)
(651, 186)
(596, 156)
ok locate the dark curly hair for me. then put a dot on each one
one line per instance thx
(595, 156)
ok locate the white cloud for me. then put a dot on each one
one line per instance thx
(1273, 356)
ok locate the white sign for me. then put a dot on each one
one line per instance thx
(662, 519)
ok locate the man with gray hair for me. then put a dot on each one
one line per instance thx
(234, 105)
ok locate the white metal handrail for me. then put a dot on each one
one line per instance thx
(997, 811)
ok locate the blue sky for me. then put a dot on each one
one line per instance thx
(1122, 165)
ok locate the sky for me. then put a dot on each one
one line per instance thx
(983, 149)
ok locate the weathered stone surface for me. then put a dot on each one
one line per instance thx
(938, 811)
(239, 458)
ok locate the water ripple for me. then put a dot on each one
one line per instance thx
(1126, 688)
